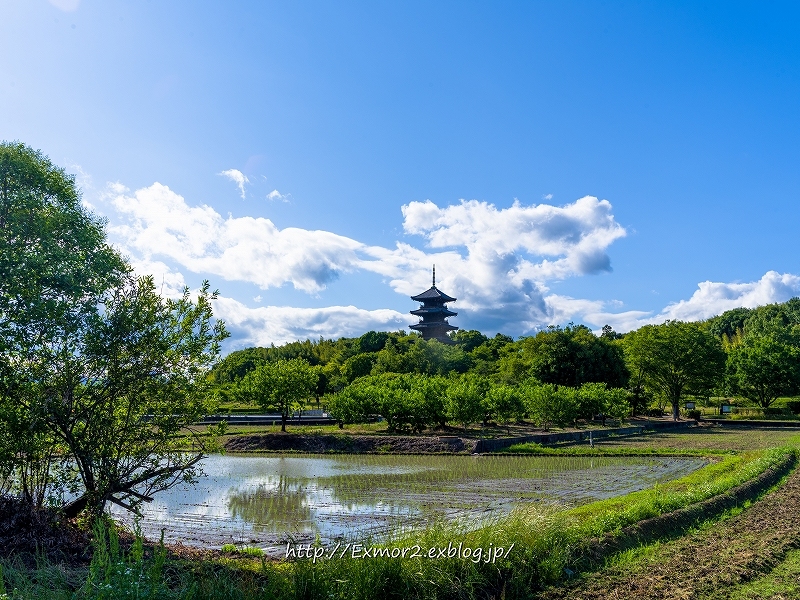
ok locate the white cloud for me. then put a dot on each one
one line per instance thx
(495, 261)
(155, 221)
(265, 325)
(498, 283)
(238, 178)
(713, 298)
(276, 195)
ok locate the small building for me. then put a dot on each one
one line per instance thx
(433, 313)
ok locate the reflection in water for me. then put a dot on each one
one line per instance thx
(276, 506)
(267, 500)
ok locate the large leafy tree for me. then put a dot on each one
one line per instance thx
(120, 392)
(764, 368)
(97, 371)
(54, 264)
(674, 359)
(570, 356)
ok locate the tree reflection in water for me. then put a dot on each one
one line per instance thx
(279, 505)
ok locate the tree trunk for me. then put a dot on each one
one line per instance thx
(283, 421)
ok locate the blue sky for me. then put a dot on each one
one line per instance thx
(560, 161)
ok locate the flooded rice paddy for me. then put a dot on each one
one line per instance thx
(266, 501)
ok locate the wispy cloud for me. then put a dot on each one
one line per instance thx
(238, 178)
(276, 195)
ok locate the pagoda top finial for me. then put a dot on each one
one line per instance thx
(434, 275)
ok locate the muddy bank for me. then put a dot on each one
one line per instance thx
(26, 532)
(356, 444)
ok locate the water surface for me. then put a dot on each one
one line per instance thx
(266, 501)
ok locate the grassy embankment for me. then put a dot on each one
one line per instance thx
(546, 543)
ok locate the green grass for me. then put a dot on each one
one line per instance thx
(246, 550)
(534, 449)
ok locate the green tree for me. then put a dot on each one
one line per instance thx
(402, 409)
(118, 394)
(357, 366)
(591, 400)
(764, 368)
(468, 339)
(54, 265)
(617, 404)
(237, 364)
(431, 394)
(279, 385)
(674, 359)
(465, 394)
(372, 341)
(549, 404)
(504, 402)
(97, 371)
(356, 402)
(570, 356)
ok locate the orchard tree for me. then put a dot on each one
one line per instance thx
(617, 404)
(674, 359)
(550, 404)
(504, 402)
(430, 392)
(465, 394)
(355, 403)
(590, 400)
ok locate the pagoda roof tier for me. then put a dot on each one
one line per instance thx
(438, 325)
(433, 293)
(433, 311)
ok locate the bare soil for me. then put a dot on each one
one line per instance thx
(27, 532)
(708, 563)
(355, 444)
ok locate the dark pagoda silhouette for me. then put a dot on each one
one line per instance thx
(433, 313)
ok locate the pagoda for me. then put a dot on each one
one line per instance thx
(433, 313)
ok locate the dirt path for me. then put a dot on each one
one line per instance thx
(707, 564)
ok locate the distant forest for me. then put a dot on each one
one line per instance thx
(739, 347)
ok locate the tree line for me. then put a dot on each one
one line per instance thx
(749, 353)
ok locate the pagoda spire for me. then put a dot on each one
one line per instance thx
(434, 275)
